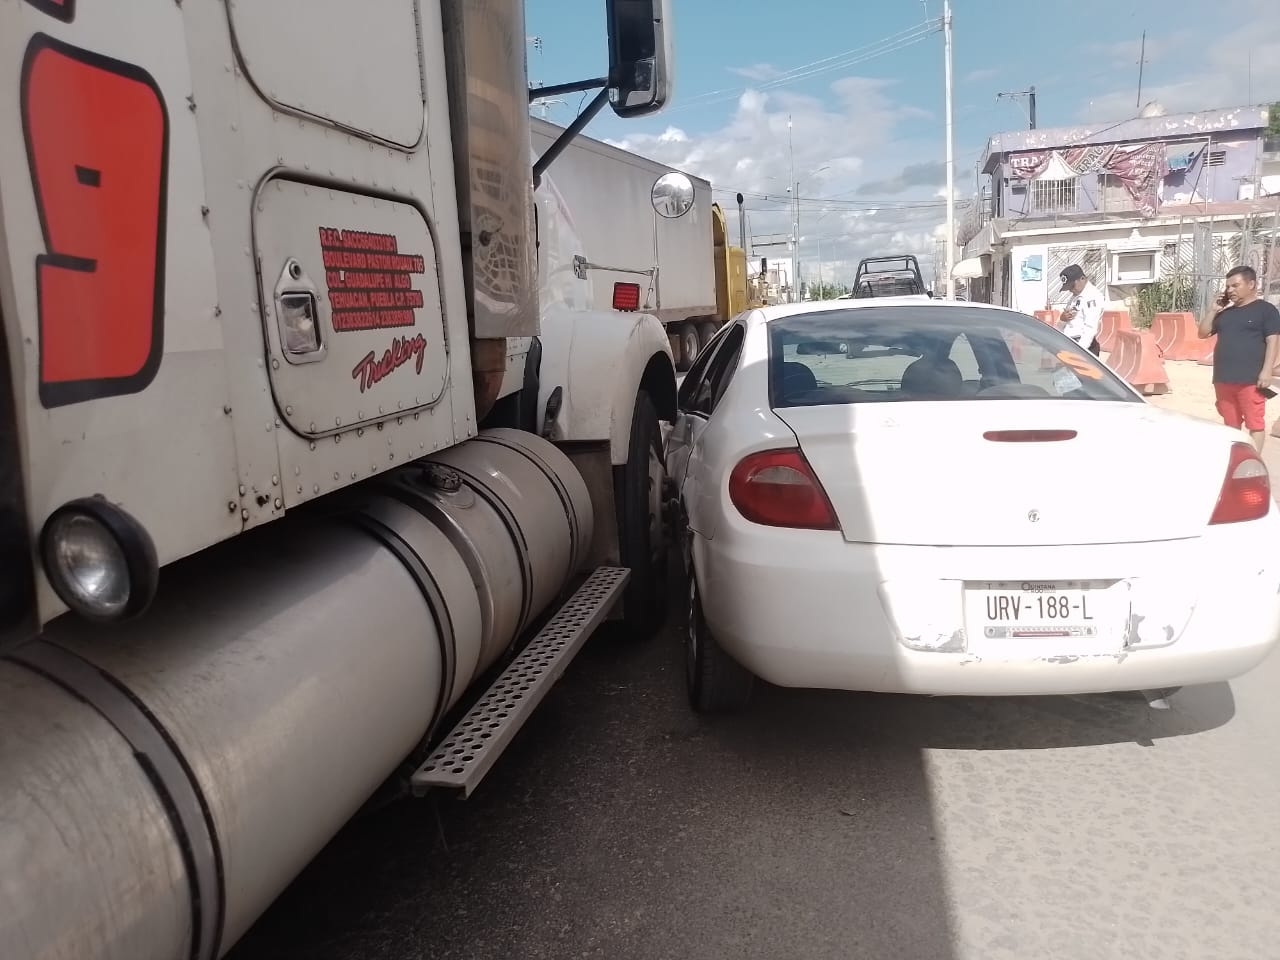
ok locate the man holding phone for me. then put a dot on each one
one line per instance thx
(1248, 331)
(1082, 318)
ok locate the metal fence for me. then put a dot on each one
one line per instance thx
(1092, 259)
(1204, 252)
(1192, 264)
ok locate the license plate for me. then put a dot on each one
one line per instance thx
(999, 610)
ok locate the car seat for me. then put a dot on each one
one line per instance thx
(933, 378)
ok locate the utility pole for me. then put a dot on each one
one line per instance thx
(951, 159)
(1142, 60)
(799, 291)
(1030, 94)
(742, 225)
(795, 222)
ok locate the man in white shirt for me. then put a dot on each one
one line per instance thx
(1083, 315)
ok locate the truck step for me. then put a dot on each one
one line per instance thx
(470, 749)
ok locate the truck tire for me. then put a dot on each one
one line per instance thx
(688, 345)
(706, 330)
(641, 541)
(716, 683)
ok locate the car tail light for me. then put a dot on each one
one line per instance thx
(1246, 490)
(778, 488)
(626, 296)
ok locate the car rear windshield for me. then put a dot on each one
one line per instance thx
(932, 352)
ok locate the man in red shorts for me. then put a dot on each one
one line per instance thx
(1248, 330)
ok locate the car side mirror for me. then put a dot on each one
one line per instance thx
(672, 195)
(640, 56)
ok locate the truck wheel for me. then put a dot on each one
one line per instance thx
(716, 682)
(706, 330)
(688, 345)
(641, 526)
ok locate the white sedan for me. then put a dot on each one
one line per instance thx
(916, 496)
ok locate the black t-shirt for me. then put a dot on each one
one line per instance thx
(1242, 341)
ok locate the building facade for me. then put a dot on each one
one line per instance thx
(1155, 209)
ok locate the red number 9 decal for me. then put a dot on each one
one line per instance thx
(97, 136)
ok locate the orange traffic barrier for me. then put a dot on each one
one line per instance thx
(1052, 318)
(1112, 322)
(1136, 358)
(1167, 329)
(1179, 337)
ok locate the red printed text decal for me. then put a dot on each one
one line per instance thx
(370, 281)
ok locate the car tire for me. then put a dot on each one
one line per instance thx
(641, 525)
(716, 682)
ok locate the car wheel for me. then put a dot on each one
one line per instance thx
(716, 682)
(641, 526)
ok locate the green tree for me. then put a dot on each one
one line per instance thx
(824, 291)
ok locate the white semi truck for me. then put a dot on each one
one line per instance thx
(317, 465)
(644, 258)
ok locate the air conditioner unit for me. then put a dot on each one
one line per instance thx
(1133, 266)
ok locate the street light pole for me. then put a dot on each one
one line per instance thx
(951, 160)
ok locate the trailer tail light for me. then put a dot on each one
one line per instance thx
(778, 488)
(1246, 489)
(626, 296)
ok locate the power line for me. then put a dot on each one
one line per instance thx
(849, 58)
(834, 202)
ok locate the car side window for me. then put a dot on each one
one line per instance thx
(696, 377)
(719, 372)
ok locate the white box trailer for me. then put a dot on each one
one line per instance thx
(672, 260)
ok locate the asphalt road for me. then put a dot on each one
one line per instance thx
(819, 826)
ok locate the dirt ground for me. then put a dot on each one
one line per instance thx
(1190, 390)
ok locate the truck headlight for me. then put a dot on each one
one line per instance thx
(99, 560)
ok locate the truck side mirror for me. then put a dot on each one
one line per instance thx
(672, 195)
(640, 56)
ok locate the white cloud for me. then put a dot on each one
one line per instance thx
(758, 72)
(1122, 53)
(849, 141)
(977, 76)
(1239, 66)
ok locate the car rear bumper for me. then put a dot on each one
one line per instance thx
(806, 609)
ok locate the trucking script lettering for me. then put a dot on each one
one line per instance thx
(371, 369)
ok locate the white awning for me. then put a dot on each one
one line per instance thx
(972, 268)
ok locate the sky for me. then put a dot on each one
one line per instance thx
(863, 86)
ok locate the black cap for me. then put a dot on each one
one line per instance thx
(1070, 275)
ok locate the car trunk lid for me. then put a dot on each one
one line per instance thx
(1012, 473)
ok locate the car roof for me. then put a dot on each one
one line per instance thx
(781, 311)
